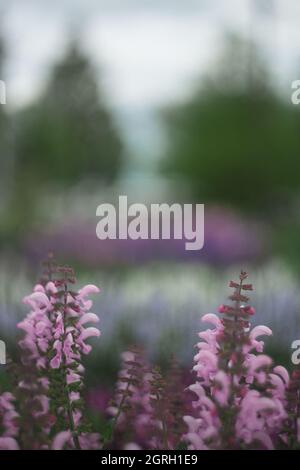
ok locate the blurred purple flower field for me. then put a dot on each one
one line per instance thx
(229, 239)
(145, 305)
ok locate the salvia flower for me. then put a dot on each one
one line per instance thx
(239, 399)
(131, 407)
(9, 425)
(148, 408)
(55, 341)
(239, 394)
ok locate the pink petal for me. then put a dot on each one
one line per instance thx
(88, 333)
(88, 318)
(259, 331)
(60, 440)
(8, 443)
(87, 290)
(282, 372)
(211, 318)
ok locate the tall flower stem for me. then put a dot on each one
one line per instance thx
(69, 405)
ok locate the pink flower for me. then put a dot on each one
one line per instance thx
(206, 364)
(132, 446)
(57, 359)
(44, 406)
(283, 373)
(228, 375)
(85, 334)
(221, 390)
(255, 333)
(37, 300)
(223, 308)
(59, 326)
(88, 290)
(61, 440)
(54, 337)
(8, 443)
(213, 319)
(88, 318)
(9, 424)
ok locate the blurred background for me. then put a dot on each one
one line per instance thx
(163, 101)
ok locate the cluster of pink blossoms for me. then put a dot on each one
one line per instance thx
(8, 422)
(147, 409)
(240, 396)
(45, 326)
(131, 409)
(241, 400)
(55, 340)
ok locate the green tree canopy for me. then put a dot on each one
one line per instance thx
(68, 133)
(3, 120)
(5, 136)
(234, 140)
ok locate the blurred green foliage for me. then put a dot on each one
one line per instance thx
(5, 140)
(235, 141)
(68, 133)
(66, 136)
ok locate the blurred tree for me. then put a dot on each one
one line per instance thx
(3, 119)
(68, 133)
(5, 140)
(235, 141)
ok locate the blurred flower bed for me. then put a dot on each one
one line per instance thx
(237, 396)
(158, 305)
(229, 239)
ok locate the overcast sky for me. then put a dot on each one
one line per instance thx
(149, 50)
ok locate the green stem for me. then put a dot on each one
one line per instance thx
(69, 405)
(164, 428)
(120, 409)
